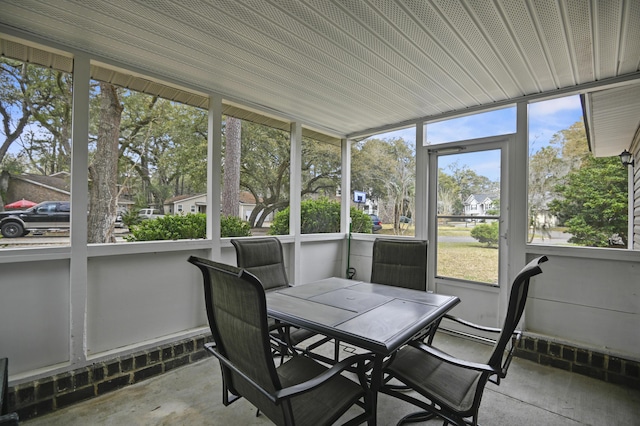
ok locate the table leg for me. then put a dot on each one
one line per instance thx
(376, 383)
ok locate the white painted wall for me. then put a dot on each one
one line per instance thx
(132, 299)
(594, 303)
(135, 300)
(34, 314)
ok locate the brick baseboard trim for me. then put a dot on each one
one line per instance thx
(587, 362)
(46, 395)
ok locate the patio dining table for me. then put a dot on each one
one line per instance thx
(375, 317)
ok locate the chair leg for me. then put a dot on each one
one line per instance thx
(420, 416)
(398, 387)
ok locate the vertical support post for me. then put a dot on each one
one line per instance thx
(214, 165)
(345, 202)
(295, 185)
(78, 279)
(518, 204)
(422, 185)
(630, 202)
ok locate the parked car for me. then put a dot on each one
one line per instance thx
(377, 224)
(46, 216)
(405, 219)
(119, 223)
(149, 214)
(43, 217)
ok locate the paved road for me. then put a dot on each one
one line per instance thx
(50, 240)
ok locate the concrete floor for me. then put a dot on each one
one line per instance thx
(531, 394)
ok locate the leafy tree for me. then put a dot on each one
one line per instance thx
(156, 151)
(401, 183)
(35, 110)
(371, 163)
(449, 202)
(13, 164)
(320, 216)
(49, 151)
(574, 149)
(321, 169)
(185, 160)
(162, 146)
(468, 182)
(456, 184)
(486, 233)
(264, 169)
(385, 170)
(593, 203)
(544, 175)
(549, 167)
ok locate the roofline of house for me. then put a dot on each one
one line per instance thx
(42, 185)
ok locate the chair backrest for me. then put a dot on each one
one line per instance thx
(237, 314)
(263, 258)
(517, 301)
(400, 263)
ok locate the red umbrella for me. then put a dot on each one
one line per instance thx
(20, 204)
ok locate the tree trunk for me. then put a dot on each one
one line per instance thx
(103, 172)
(231, 178)
(4, 187)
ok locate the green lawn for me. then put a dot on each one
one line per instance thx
(465, 260)
(468, 261)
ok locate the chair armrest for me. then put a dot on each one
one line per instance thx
(211, 347)
(300, 388)
(360, 360)
(472, 325)
(437, 353)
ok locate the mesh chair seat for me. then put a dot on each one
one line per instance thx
(448, 384)
(318, 406)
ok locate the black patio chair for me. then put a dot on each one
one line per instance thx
(453, 387)
(299, 391)
(263, 258)
(400, 263)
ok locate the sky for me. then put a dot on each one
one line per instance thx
(545, 119)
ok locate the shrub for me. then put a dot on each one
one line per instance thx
(486, 233)
(360, 222)
(320, 216)
(130, 218)
(233, 226)
(190, 226)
